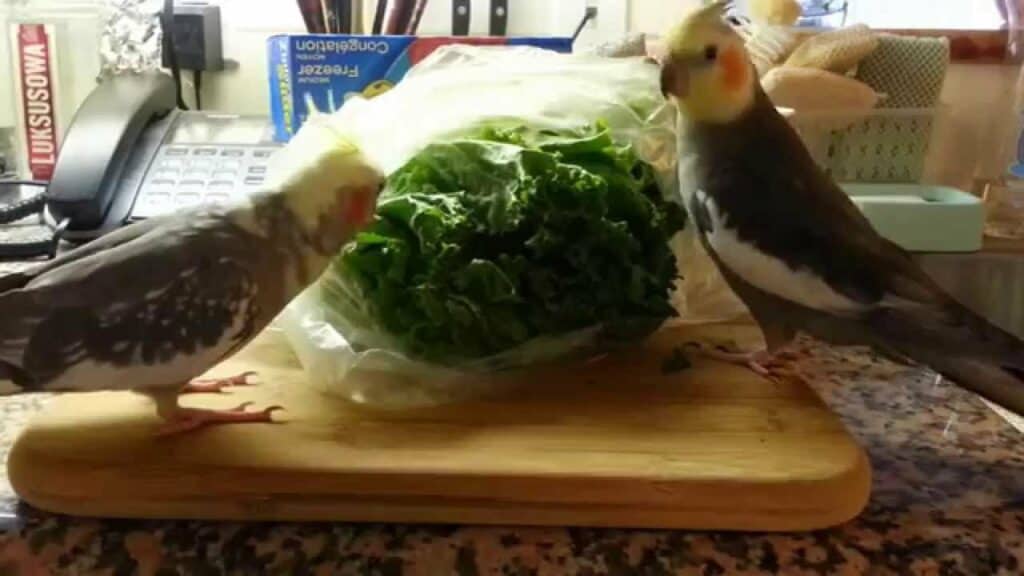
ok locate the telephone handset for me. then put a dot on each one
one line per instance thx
(130, 154)
(96, 153)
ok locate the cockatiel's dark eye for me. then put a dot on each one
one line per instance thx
(710, 52)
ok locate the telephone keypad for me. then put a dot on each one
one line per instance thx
(182, 176)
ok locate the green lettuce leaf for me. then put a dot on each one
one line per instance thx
(482, 244)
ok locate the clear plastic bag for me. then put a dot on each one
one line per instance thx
(454, 92)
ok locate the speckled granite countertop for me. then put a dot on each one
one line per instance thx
(948, 499)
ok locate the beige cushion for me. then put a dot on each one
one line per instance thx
(768, 46)
(836, 50)
(807, 89)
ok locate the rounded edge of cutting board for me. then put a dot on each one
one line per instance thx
(835, 501)
(60, 464)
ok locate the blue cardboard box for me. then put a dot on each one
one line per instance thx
(324, 70)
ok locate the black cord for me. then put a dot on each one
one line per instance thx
(23, 208)
(15, 182)
(44, 246)
(26, 250)
(167, 28)
(197, 80)
(589, 15)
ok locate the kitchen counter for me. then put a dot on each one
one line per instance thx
(948, 499)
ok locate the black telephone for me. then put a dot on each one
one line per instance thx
(129, 154)
(97, 152)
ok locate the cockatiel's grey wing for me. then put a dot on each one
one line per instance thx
(174, 299)
(812, 226)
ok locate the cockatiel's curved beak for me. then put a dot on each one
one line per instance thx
(675, 79)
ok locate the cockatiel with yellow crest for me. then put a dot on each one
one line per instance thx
(155, 304)
(791, 243)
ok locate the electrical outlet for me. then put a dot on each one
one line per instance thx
(593, 12)
(611, 21)
(197, 39)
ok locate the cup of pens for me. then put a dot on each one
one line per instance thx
(395, 17)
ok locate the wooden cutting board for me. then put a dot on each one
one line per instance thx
(617, 442)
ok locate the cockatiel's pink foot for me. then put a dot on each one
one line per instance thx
(185, 420)
(217, 385)
(770, 365)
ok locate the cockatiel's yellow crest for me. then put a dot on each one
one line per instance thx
(707, 70)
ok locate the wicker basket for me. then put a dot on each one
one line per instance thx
(880, 145)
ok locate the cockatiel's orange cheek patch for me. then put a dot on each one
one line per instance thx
(734, 70)
(359, 209)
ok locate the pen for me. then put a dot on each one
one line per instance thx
(312, 15)
(342, 10)
(399, 18)
(378, 17)
(325, 12)
(417, 15)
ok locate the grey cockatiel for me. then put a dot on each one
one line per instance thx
(790, 242)
(156, 304)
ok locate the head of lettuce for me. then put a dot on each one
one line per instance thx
(483, 244)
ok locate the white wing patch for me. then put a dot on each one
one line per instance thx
(768, 273)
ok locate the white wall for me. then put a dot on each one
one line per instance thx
(77, 31)
(248, 23)
(655, 16)
(77, 49)
(243, 89)
(981, 96)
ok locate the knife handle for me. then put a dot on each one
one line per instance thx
(499, 17)
(461, 15)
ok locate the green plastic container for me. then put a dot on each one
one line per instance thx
(922, 218)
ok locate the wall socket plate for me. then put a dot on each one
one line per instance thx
(611, 23)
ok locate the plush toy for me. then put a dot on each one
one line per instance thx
(775, 12)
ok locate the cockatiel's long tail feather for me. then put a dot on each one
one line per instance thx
(960, 345)
(999, 384)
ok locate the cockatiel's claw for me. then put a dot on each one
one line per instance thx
(757, 361)
(217, 385)
(191, 419)
(768, 365)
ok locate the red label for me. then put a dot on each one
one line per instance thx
(37, 98)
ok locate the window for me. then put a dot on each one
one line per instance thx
(931, 14)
